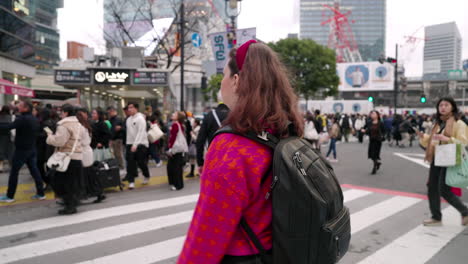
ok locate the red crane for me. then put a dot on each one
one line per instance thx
(341, 38)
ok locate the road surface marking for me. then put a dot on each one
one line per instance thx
(380, 211)
(59, 221)
(54, 245)
(142, 255)
(420, 244)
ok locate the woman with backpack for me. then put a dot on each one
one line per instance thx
(334, 134)
(257, 90)
(375, 129)
(447, 129)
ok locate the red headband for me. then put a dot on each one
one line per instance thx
(242, 53)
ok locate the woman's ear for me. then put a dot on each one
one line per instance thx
(236, 81)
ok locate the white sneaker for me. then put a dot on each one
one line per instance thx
(145, 181)
(131, 186)
(159, 164)
(5, 199)
(173, 188)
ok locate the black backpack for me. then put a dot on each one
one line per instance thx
(310, 223)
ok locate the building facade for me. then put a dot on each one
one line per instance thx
(367, 21)
(442, 50)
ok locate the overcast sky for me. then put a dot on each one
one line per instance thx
(274, 19)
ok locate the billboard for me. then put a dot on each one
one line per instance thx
(338, 106)
(365, 76)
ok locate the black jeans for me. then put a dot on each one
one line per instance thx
(138, 158)
(20, 157)
(175, 170)
(436, 187)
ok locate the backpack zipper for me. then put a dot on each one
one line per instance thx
(298, 161)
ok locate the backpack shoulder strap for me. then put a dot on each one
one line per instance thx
(265, 138)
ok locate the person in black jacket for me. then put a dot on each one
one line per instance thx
(375, 129)
(101, 133)
(117, 135)
(211, 123)
(27, 129)
(44, 151)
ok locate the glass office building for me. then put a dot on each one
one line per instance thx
(369, 25)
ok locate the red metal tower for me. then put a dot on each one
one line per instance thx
(341, 38)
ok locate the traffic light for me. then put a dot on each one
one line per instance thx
(423, 99)
(382, 59)
(370, 99)
(391, 60)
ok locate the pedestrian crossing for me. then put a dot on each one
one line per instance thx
(385, 227)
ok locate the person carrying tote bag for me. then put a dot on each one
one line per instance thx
(447, 130)
(177, 152)
(67, 184)
(100, 137)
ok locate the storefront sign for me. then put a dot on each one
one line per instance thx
(111, 76)
(150, 78)
(72, 77)
(16, 90)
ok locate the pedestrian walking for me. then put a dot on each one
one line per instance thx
(92, 186)
(101, 136)
(388, 124)
(27, 129)
(178, 149)
(211, 123)
(137, 145)
(448, 128)
(358, 126)
(345, 124)
(68, 185)
(375, 129)
(117, 135)
(231, 185)
(155, 147)
(193, 148)
(334, 134)
(311, 133)
(6, 143)
(44, 150)
(427, 125)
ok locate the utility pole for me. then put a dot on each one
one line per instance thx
(396, 80)
(182, 60)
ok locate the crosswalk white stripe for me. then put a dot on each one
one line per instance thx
(143, 255)
(82, 217)
(420, 244)
(174, 250)
(379, 212)
(354, 194)
(58, 244)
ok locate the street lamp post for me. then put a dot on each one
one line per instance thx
(396, 80)
(182, 53)
(233, 10)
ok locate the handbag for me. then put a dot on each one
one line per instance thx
(310, 131)
(59, 161)
(154, 133)
(180, 144)
(447, 155)
(457, 176)
(101, 154)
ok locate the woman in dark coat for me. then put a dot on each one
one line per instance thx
(44, 151)
(375, 129)
(101, 132)
(6, 144)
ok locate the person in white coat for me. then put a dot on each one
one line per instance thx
(358, 126)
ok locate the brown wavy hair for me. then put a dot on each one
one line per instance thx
(266, 98)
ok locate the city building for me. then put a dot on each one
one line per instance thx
(16, 50)
(76, 50)
(442, 51)
(43, 14)
(367, 20)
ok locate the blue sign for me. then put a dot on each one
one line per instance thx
(465, 65)
(196, 40)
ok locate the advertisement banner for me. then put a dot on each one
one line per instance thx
(338, 106)
(365, 76)
(219, 45)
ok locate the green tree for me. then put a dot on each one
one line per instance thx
(313, 67)
(214, 84)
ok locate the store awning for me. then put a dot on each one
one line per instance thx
(7, 87)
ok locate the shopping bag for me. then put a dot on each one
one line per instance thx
(102, 154)
(457, 176)
(448, 155)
